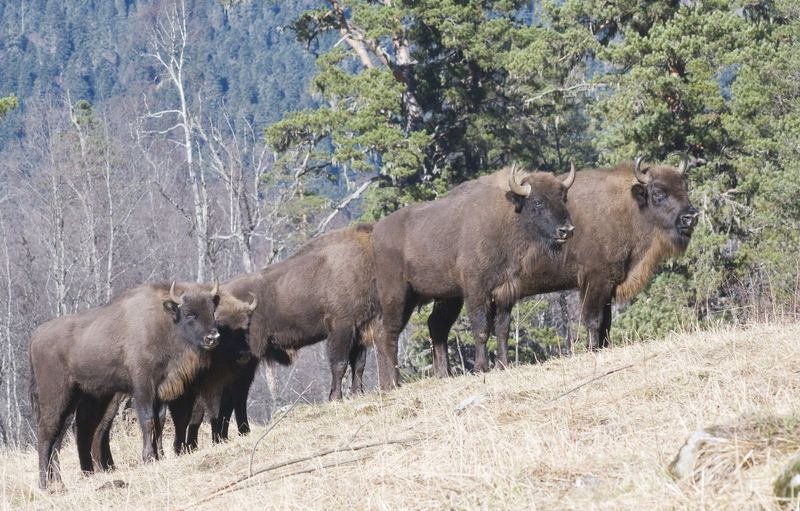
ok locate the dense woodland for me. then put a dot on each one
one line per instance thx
(161, 139)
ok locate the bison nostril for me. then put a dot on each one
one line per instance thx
(565, 231)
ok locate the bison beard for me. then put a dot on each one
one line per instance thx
(473, 246)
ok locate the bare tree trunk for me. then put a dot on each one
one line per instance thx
(170, 40)
(111, 224)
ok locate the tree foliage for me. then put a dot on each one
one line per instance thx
(431, 93)
(7, 104)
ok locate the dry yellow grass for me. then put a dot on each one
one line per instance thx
(498, 441)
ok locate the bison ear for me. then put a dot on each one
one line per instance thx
(639, 193)
(517, 200)
(173, 308)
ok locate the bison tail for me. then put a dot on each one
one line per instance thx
(280, 355)
(33, 390)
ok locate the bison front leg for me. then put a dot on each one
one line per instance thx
(181, 411)
(481, 317)
(596, 314)
(238, 392)
(148, 410)
(502, 322)
(444, 314)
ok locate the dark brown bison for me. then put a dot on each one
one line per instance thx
(474, 246)
(204, 397)
(627, 219)
(150, 342)
(324, 291)
(232, 319)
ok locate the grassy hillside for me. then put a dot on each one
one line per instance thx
(534, 437)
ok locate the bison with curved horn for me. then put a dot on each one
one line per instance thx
(628, 219)
(473, 246)
(149, 342)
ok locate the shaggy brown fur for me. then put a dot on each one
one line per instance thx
(473, 246)
(623, 230)
(79, 362)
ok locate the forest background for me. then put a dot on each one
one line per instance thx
(160, 139)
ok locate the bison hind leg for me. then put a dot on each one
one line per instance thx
(89, 414)
(358, 361)
(340, 343)
(444, 314)
(56, 404)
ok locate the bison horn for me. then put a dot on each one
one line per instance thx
(571, 177)
(637, 171)
(215, 290)
(684, 164)
(176, 299)
(516, 187)
(253, 303)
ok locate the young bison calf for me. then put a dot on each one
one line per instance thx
(150, 342)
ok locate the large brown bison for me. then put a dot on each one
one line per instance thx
(326, 290)
(627, 219)
(149, 342)
(475, 245)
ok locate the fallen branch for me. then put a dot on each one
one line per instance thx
(271, 426)
(236, 484)
(599, 377)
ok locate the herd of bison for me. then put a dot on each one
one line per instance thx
(194, 348)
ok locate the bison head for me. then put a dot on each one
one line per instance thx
(663, 198)
(540, 201)
(233, 321)
(193, 312)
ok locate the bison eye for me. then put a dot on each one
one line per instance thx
(190, 316)
(658, 196)
(537, 203)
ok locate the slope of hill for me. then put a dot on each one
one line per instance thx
(594, 431)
